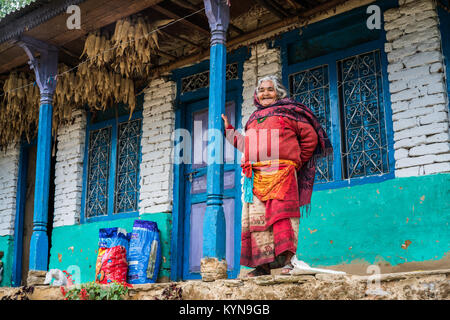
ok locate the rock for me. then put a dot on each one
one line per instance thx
(233, 283)
(330, 277)
(377, 292)
(212, 269)
(36, 277)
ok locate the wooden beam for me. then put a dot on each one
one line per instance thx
(116, 10)
(250, 37)
(165, 55)
(179, 38)
(69, 53)
(295, 5)
(276, 6)
(273, 10)
(95, 15)
(185, 4)
(323, 7)
(188, 5)
(186, 22)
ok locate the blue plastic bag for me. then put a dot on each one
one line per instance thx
(111, 264)
(144, 254)
(111, 237)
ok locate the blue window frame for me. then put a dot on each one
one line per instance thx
(443, 9)
(111, 165)
(338, 68)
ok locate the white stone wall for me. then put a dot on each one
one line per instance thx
(9, 171)
(69, 171)
(263, 62)
(417, 85)
(156, 170)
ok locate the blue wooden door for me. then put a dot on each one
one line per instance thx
(194, 179)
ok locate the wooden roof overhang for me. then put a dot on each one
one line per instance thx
(182, 43)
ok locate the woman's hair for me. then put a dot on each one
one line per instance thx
(279, 88)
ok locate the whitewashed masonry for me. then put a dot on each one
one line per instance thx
(417, 84)
(9, 171)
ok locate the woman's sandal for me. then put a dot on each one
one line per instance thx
(286, 270)
(258, 271)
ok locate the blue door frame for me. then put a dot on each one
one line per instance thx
(16, 277)
(191, 199)
(233, 92)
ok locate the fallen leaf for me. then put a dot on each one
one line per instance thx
(59, 257)
(312, 231)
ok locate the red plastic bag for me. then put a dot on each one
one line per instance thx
(112, 264)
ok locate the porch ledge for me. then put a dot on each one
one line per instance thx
(416, 285)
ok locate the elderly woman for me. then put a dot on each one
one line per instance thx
(282, 140)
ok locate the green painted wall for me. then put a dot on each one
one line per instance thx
(395, 221)
(7, 246)
(78, 244)
(376, 222)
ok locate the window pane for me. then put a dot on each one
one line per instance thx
(364, 144)
(98, 172)
(126, 189)
(311, 88)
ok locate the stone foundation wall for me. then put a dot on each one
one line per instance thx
(263, 62)
(419, 285)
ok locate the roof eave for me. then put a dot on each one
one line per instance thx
(13, 25)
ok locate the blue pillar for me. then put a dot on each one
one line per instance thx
(45, 71)
(214, 221)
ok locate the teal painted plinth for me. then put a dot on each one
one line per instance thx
(7, 246)
(395, 221)
(77, 246)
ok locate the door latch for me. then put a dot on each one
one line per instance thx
(191, 175)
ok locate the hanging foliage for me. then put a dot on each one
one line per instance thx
(130, 48)
(91, 86)
(18, 114)
(103, 79)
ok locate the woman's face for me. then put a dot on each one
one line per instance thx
(266, 93)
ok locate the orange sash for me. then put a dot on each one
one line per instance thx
(273, 178)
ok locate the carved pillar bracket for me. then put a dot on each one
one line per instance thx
(45, 68)
(218, 13)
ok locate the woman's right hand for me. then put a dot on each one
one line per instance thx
(225, 121)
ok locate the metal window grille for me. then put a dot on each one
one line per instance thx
(201, 79)
(311, 88)
(126, 187)
(98, 172)
(363, 128)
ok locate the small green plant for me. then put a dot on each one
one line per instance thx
(95, 291)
